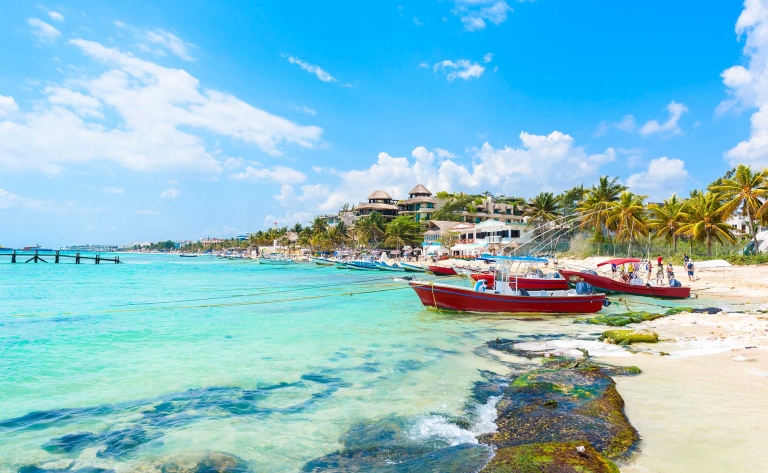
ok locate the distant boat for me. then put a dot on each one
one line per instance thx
(323, 262)
(35, 248)
(276, 259)
(386, 267)
(187, 256)
(442, 271)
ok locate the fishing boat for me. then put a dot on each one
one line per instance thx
(413, 268)
(362, 265)
(275, 259)
(341, 265)
(450, 297)
(387, 267)
(442, 271)
(187, 256)
(528, 276)
(323, 262)
(608, 285)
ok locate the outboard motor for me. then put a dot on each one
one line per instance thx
(584, 288)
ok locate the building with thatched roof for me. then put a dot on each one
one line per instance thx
(380, 202)
(420, 204)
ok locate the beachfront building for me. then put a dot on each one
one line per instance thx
(420, 203)
(347, 217)
(491, 236)
(489, 209)
(379, 202)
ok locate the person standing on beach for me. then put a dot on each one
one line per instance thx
(685, 259)
(660, 275)
(670, 271)
(554, 261)
(649, 269)
(689, 267)
(659, 261)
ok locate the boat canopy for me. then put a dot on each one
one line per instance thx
(620, 261)
(525, 259)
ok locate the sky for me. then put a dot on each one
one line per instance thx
(146, 121)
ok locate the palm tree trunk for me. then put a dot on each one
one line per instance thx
(709, 243)
(753, 232)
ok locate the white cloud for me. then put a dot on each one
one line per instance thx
(170, 193)
(546, 162)
(626, 124)
(152, 104)
(56, 16)
(748, 86)
(463, 69)
(288, 219)
(159, 41)
(417, 22)
(147, 212)
(113, 190)
(279, 174)
(173, 182)
(663, 177)
(43, 30)
(488, 58)
(7, 105)
(423, 65)
(316, 70)
(474, 13)
(676, 110)
(9, 200)
(308, 110)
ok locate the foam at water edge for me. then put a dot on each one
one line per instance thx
(431, 426)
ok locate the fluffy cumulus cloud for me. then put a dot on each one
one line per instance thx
(475, 13)
(748, 85)
(462, 68)
(663, 177)
(543, 162)
(43, 31)
(56, 16)
(158, 114)
(9, 200)
(670, 126)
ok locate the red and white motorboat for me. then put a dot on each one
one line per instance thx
(503, 297)
(450, 297)
(442, 271)
(611, 286)
(528, 282)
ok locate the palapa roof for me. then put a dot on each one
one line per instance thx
(375, 206)
(438, 227)
(379, 195)
(419, 190)
(418, 200)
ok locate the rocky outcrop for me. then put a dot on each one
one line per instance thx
(553, 457)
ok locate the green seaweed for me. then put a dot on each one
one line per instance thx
(551, 457)
(626, 318)
(628, 337)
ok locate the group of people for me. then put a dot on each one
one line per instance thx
(630, 272)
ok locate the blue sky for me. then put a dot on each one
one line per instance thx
(147, 121)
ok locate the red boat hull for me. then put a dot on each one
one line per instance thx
(442, 271)
(462, 299)
(526, 283)
(604, 284)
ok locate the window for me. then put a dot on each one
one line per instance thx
(430, 205)
(509, 211)
(429, 216)
(417, 217)
(477, 219)
(514, 233)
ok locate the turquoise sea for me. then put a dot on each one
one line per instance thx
(163, 359)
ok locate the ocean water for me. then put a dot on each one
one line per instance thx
(129, 367)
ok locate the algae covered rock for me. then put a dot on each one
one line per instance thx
(587, 407)
(553, 457)
(628, 337)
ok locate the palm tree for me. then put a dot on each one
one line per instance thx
(705, 219)
(746, 190)
(667, 218)
(370, 228)
(627, 217)
(597, 202)
(319, 225)
(402, 231)
(297, 228)
(542, 208)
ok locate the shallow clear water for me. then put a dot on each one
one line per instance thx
(164, 356)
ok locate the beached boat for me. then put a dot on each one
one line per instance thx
(442, 271)
(387, 267)
(449, 297)
(527, 274)
(362, 265)
(413, 268)
(608, 285)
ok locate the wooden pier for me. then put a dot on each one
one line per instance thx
(36, 257)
